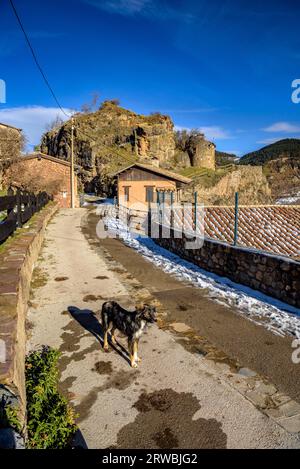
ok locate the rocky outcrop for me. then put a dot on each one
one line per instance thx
(201, 152)
(249, 181)
(109, 138)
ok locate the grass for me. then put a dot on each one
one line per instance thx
(207, 177)
(3, 192)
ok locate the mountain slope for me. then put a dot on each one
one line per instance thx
(287, 148)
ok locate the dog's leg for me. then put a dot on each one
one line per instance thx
(135, 351)
(113, 339)
(138, 359)
(131, 353)
(105, 343)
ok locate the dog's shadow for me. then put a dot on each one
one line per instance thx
(88, 320)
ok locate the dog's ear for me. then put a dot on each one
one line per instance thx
(139, 307)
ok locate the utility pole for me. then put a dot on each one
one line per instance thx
(72, 166)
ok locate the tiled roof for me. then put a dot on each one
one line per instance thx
(155, 170)
(39, 155)
(270, 228)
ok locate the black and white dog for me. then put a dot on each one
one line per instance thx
(130, 323)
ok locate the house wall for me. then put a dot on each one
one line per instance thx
(137, 179)
(137, 191)
(55, 174)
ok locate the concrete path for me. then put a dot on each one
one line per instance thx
(175, 399)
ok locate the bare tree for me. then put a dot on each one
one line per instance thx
(18, 174)
(12, 142)
(57, 122)
(92, 105)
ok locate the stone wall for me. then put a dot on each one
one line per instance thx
(273, 275)
(17, 260)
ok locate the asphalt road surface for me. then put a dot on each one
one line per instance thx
(176, 398)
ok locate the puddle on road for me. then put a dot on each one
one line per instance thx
(61, 279)
(88, 298)
(103, 368)
(165, 421)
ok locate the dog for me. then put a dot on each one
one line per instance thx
(130, 323)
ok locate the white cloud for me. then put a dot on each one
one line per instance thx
(147, 8)
(269, 141)
(122, 7)
(215, 132)
(286, 127)
(32, 119)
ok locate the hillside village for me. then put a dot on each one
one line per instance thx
(242, 279)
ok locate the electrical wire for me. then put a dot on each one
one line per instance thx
(36, 59)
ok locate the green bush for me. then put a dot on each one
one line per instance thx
(50, 421)
(9, 416)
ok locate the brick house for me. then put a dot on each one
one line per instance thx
(52, 173)
(140, 183)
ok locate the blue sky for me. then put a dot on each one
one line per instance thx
(225, 67)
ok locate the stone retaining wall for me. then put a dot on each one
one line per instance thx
(17, 258)
(273, 275)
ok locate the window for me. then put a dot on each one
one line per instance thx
(126, 193)
(149, 193)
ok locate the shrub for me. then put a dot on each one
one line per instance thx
(9, 415)
(50, 421)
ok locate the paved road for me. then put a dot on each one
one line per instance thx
(174, 399)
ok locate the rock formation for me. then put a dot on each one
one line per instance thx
(109, 138)
(194, 150)
(249, 181)
(201, 152)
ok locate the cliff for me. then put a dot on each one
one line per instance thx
(110, 138)
(281, 166)
(218, 187)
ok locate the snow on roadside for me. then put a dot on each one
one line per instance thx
(292, 199)
(273, 314)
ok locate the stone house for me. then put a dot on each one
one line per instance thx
(45, 172)
(139, 184)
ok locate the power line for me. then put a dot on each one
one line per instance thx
(36, 59)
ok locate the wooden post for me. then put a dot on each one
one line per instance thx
(72, 175)
(236, 219)
(19, 209)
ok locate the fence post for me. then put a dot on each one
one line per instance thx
(195, 210)
(149, 219)
(172, 213)
(163, 207)
(236, 219)
(19, 209)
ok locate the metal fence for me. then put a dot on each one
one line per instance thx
(17, 208)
